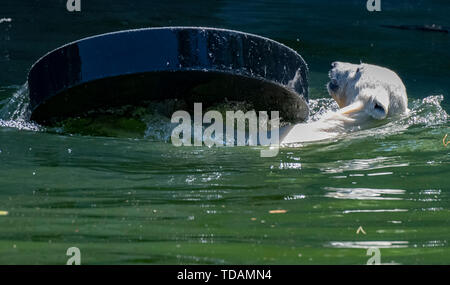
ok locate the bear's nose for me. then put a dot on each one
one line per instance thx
(334, 64)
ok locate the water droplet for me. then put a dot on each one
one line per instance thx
(5, 20)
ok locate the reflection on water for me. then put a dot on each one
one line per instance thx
(364, 164)
(376, 211)
(385, 244)
(363, 193)
(368, 244)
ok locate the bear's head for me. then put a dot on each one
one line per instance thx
(371, 89)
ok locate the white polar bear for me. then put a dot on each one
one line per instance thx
(364, 92)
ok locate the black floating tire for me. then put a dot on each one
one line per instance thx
(195, 64)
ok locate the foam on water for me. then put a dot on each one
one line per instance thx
(427, 111)
(159, 128)
(424, 113)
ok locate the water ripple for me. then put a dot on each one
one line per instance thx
(363, 164)
(368, 244)
(363, 193)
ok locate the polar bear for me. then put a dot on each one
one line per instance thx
(364, 93)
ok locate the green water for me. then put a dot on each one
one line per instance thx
(122, 200)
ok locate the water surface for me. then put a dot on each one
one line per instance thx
(131, 201)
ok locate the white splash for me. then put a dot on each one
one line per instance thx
(16, 113)
(427, 112)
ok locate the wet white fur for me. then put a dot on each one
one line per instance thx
(364, 92)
